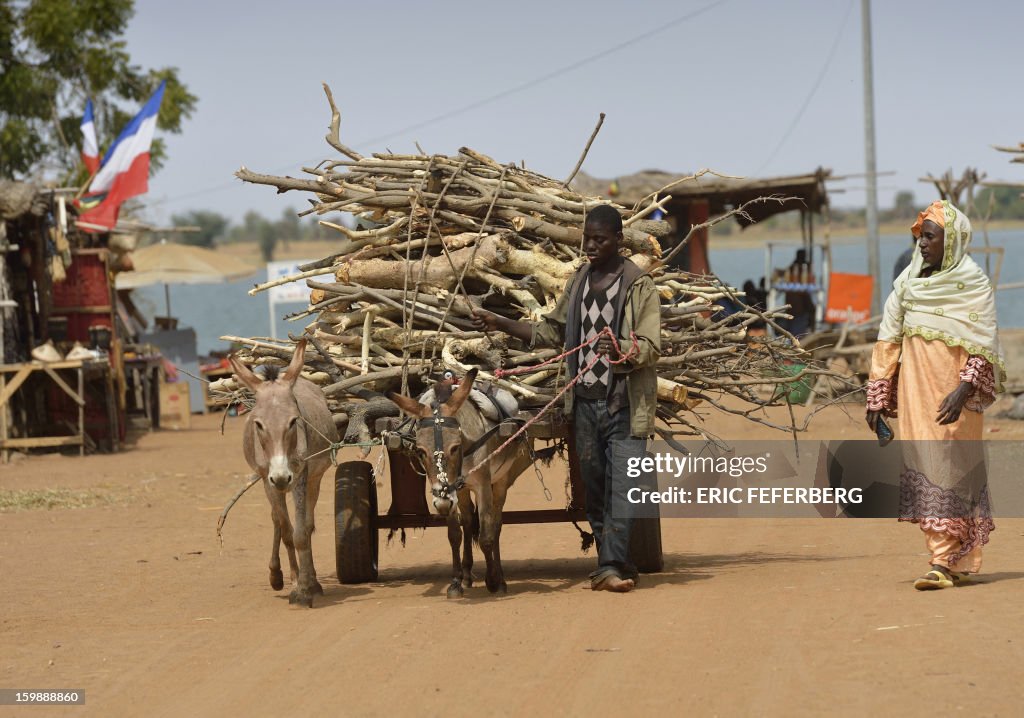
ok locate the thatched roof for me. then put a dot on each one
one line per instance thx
(721, 194)
(18, 198)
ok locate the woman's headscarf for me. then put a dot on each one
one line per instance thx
(955, 305)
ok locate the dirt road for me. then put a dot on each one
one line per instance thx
(134, 600)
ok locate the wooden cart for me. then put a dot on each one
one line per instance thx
(357, 520)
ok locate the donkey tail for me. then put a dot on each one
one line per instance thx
(476, 524)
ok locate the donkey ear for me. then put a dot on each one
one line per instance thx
(460, 395)
(291, 374)
(244, 374)
(409, 406)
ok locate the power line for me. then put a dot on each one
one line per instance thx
(477, 104)
(810, 95)
(546, 77)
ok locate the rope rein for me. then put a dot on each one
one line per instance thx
(502, 373)
(334, 446)
(633, 351)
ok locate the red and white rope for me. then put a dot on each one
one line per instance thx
(500, 373)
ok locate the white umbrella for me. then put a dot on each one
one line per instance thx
(168, 263)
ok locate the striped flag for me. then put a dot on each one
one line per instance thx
(90, 148)
(124, 172)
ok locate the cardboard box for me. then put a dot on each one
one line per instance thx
(175, 411)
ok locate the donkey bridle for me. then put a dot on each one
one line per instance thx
(437, 423)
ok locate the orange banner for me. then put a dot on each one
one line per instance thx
(849, 298)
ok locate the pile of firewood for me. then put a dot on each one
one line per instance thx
(440, 235)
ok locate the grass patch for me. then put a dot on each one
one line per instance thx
(34, 499)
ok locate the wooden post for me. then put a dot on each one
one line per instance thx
(4, 453)
(81, 411)
(699, 241)
(146, 386)
(110, 398)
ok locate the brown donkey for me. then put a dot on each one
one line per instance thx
(452, 436)
(287, 442)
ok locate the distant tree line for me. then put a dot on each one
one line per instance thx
(215, 228)
(1007, 205)
(1008, 202)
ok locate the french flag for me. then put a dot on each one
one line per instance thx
(124, 172)
(90, 148)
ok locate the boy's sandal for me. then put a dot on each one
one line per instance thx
(933, 580)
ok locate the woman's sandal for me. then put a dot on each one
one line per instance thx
(961, 579)
(933, 580)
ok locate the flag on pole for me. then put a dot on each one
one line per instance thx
(124, 172)
(90, 148)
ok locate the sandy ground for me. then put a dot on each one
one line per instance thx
(135, 601)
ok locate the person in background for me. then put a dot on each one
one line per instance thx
(903, 261)
(938, 360)
(756, 298)
(801, 305)
(613, 405)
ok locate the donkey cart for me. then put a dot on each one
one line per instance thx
(357, 520)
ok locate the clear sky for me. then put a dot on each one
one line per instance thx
(746, 87)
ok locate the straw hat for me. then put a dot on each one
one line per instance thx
(46, 352)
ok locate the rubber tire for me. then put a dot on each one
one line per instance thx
(645, 545)
(355, 522)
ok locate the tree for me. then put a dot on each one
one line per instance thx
(288, 227)
(267, 238)
(54, 54)
(903, 206)
(1007, 202)
(212, 226)
(256, 227)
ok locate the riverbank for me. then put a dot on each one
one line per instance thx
(753, 236)
(758, 235)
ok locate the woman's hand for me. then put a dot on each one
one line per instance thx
(953, 404)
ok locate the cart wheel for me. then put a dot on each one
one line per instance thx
(645, 545)
(355, 522)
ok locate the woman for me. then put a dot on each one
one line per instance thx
(938, 361)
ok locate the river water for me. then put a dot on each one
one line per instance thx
(214, 310)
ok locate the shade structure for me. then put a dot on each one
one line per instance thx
(169, 263)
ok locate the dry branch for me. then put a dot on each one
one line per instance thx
(446, 234)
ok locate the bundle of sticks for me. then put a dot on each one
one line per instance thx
(441, 235)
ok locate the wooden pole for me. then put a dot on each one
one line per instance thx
(4, 453)
(871, 214)
(81, 411)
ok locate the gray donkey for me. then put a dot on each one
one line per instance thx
(452, 437)
(286, 441)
